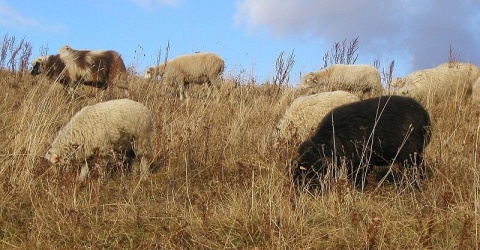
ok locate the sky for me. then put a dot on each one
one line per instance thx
(251, 34)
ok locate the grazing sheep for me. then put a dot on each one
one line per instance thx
(378, 131)
(98, 68)
(471, 69)
(304, 114)
(51, 66)
(361, 80)
(434, 85)
(197, 68)
(121, 125)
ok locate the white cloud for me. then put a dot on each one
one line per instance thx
(425, 29)
(10, 17)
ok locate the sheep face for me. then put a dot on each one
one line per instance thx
(310, 169)
(149, 73)
(154, 72)
(52, 157)
(38, 65)
(309, 80)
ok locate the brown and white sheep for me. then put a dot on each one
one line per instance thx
(51, 66)
(197, 68)
(98, 68)
(362, 80)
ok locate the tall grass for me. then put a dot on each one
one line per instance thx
(14, 56)
(216, 181)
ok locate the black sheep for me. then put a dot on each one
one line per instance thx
(377, 131)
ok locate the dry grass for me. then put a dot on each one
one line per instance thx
(217, 182)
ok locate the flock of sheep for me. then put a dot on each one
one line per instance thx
(102, 68)
(350, 83)
(352, 120)
(122, 125)
(345, 126)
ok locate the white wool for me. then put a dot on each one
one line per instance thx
(362, 80)
(471, 69)
(197, 68)
(117, 125)
(306, 112)
(437, 84)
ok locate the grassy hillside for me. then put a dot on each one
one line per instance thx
(217, 182)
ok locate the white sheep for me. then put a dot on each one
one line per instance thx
(471, 69)
(362, 80)
(434, 85)
(98, 68)
(306, 112)
(197, 68)
(120, 125)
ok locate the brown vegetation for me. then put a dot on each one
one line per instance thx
(216, 181)
(17, 54)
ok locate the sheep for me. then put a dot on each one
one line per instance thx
(51, 66)
(304, 114)
(433, 85)
(471, 69)
(120, 125)
(361, 80)
(378, 131)
(98, 68)
(197, 68)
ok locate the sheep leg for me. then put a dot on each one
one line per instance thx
(414, 170)
(419, 169)
(141, 166)
(208, 85)
(359, 177)
(144, 166)
(183, 90)
(83, 172)
(213, 81)
(180, 88)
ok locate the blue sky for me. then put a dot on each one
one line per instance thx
(250, 34)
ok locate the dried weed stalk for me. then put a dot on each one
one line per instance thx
(283, 68)
(342, 52)
(18, 55)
